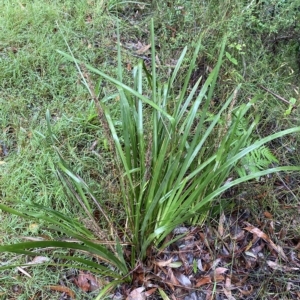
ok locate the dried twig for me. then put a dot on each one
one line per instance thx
(277, 96)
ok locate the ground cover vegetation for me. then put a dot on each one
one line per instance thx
(135, 167)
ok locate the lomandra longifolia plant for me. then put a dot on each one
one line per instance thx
(173, 157)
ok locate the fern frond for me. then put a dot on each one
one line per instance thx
(256, 161)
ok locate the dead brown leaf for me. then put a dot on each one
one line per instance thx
(143, 49)
(24, 272)
(139, 275)
(227, 289)
(202, 281)
(184, 280)
(199, 265)
(171, 279)
(137, 294)
(220, 270)
(86, 282)
(247, 292)
(275, 266)
(150, 292)
(39, 260)
(266, 238)
(215, 263)
(271, 227)
(268, 215)
(209, 295)
(163, 263)
(173, 297)
(282, 233)
(128, 66)
(258, 248)
(237, 233)
(63, 289)
(217, 274)
(219, 278)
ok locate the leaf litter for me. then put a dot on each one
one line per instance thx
(226, 261)
(229, 261)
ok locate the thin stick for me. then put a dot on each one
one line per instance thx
(277, 96)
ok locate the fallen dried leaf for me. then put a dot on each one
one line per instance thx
(129, 67)
(282, 233)
(180, 230)
(172, 279)
(275, 266)
(219, 278)
(265, 237)
(268, 215)
(271, 227)
(249, 253)
(163, 263)
(86, 282)
(184, 280)
(199, 265)
(288, 286)
(247, 292)
(237, 233)
(258, 248)
(24, 272)
(281, 253)
(39, 260)
(143, 49)
(150, 292)
(297, 247)
(203, 281)
(227, 289)
(210, 295)
(63, 289)
(137, 294)
(215, 263)
(220, 270)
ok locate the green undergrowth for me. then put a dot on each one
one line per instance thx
(34, 78)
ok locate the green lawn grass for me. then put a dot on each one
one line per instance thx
(34, 77)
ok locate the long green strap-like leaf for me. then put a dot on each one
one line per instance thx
(90, 248)
(187, 211)
(120, 84)
(183, 91)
